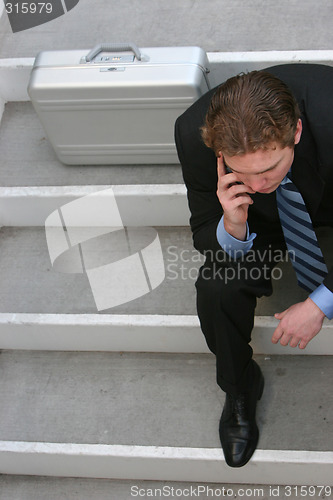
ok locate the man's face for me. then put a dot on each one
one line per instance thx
(264, 169)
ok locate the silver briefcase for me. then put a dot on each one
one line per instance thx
(116, 104)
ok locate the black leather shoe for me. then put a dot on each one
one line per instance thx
(239, 433)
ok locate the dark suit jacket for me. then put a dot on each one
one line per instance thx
(312, 168)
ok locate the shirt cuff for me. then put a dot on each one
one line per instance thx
(323, 298)
(232, 246)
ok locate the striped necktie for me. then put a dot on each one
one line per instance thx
(299, 235)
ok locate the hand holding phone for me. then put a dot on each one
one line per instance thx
(235, 199)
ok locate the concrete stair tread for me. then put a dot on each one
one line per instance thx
(157, 400)
(193, 24)
(38, 488)
(34, 162)
(30, 285)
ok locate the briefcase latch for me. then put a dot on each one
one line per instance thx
(114, 59)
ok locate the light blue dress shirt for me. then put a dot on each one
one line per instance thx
(321, 296)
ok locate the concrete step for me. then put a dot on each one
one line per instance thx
(155, 417)
(139, 205)
(55, 488)
(29, 284)
(32, 161)
(42, 308)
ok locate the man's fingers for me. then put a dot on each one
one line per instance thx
(220, 166)
(237, 189)
(235, 198)
(278, 330)
(238, 201)
(277, 335)
(281, 314)
(303, 344)
(294, 342)
(284, 340)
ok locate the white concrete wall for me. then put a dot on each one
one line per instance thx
(15, 73)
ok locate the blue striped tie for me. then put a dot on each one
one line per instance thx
(299, 235)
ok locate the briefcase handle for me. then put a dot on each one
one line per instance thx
(113, 47)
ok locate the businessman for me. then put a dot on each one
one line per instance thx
(257, 161)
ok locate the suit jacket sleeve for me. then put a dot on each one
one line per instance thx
(319, 108)
(199, 168)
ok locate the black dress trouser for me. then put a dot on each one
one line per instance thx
(227, 292)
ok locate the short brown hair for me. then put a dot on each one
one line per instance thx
(249, 112)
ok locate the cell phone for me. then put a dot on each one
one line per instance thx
(228, 171)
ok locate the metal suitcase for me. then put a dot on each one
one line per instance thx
(116, 104)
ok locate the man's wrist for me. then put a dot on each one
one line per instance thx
(232, 246)
(323, 298)
(238, 231)
(319, 313)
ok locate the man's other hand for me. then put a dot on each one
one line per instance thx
(298, 324)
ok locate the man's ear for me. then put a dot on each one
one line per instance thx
(298, 132)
